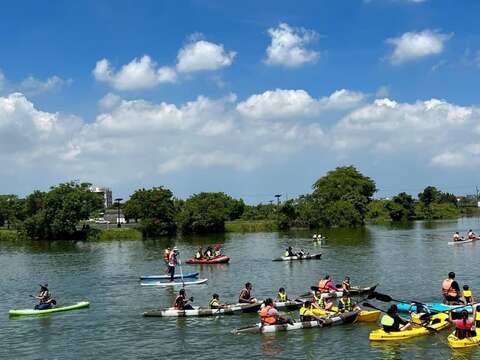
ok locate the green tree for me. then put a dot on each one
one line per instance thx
(205, 212)
(57, 213)
(286, 215)
(156, 209)
(377, 211)
(342, 196)
(11, 210)
(401, 207)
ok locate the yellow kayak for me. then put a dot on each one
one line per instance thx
(363, 315)
(416, 330)
(456, 343)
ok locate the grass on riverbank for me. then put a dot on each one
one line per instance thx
(8, 235)
(250, 226)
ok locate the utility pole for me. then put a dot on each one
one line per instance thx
(117, 202)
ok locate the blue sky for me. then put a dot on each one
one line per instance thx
(251, 98)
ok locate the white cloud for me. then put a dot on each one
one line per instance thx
(140, 73)
(293, 104)
(33, 86)
(289, 46)
(202, 55)
(109, 101)
(416, 45)
(136, 140)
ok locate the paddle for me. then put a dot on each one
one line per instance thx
(181, 273)
(366, 304)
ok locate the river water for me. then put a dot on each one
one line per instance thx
(408, 261)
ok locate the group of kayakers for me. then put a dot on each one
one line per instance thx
(452, 295)
(209, 253)
(470, 236)
(290, 253)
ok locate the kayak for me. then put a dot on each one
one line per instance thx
(354, 291)
(26, 312)
(174, 283)
(305, 257)
(363, 315)
(460, 242)
(177, 276)
(456, 343)
(437, 322)
(435, 307)
(345, 318)
(215, 260)
(204, 311)
(289, 305)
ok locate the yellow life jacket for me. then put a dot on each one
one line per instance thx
(347, 304)
(304, 311)
(286, 253)
(387, 320)
(214, 303)
(477, 316)
(282, 297)
(467, 293)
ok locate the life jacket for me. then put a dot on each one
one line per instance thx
(322, 285)
(387, 320)
(282, 297)
(286, 254)
(198, 255)
(347, 304)
(305, 312)
(447, 289)
(166, 255)
(467, 294)
(265, 318)
(214, 303)
(44, 296)
(172, 259)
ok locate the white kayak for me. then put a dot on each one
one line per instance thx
(174, 283)
(460, 242)
(336, 319)
(297, 257)
(199, 311)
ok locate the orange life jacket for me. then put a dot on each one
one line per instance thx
(166, 255)
(447, 289)
(265, 318)
(322, 285)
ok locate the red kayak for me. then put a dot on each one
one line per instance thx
(215, 260)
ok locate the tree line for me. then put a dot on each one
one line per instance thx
(341, 198)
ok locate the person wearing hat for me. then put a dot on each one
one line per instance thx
(44, 298)
(172, 262)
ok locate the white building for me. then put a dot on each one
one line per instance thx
(106, 193)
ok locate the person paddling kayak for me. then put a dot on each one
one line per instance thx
(282, 295)
(306, 312)
(464, 327)
(172, 262)
(472, 235)
(181, 301)
(270, 316)
(346, 284)
(245, 296)
(457, 237)
(289, 252)
(44, 298)
(326, 285)
(215, 302)
(391, 322)
(451, 290)
(468, 295)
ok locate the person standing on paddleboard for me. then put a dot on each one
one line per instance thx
(172, 262)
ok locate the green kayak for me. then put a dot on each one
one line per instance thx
(26, 312)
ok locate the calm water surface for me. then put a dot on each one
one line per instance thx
(409, 262)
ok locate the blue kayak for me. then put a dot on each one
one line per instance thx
(186, 275)
(436, 307)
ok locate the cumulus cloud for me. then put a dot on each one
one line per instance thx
(433, 130)
(288, 46)
(33, 86)
(140, 73)
(293, 104)
(416, 45)
(166, 138)
(202, 55)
